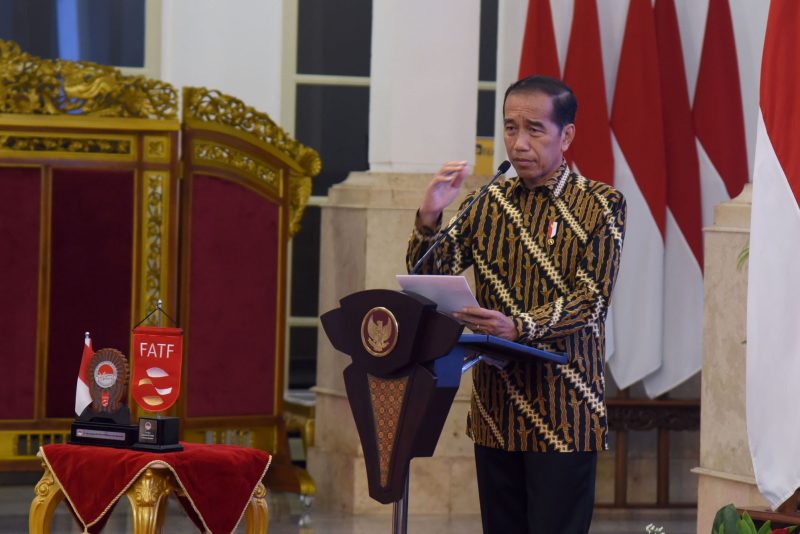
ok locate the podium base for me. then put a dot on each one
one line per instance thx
(103, 434)
(174, 447)
(158, 434)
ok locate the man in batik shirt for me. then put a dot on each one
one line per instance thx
(545, 247)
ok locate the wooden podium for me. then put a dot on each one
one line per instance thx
(407, 364)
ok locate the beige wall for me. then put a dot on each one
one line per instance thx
(365, 229)
(725, 474)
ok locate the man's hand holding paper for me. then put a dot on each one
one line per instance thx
(490, 322)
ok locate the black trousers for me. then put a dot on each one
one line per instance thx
(534, 492)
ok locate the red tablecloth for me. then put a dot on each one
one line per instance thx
(219, 480)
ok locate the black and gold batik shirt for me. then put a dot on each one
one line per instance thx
(547, 258)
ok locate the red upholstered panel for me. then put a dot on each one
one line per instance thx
(232, 298)
(20, 190)
(92, 248)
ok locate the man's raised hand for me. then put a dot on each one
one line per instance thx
(441, 191)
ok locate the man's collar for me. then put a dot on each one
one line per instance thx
(555, 182)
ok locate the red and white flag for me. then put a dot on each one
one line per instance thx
(683, 254)
(640, 174)
(82, 396)
(539, 53)
(773, 293)
(526, 46)
(590, 153)
(718, 115)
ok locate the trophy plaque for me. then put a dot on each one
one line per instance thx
(156, 383)
(106, 421)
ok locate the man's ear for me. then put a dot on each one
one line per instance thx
(567, 135)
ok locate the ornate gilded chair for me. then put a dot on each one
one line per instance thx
(91, 236)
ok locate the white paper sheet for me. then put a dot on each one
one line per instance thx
(450, 293)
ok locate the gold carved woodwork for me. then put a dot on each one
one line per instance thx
(239, 162)
(32, 85)
(155, 232)
(257, 514)
(148, 497)
(299, 192)
(155, 148)
(73, 145)
(150, 487)
(48, 495)
(215, 108)
(300, 418)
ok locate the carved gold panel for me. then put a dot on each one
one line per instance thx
(22, 445)
(47, 496)
(32, 85)
(226, 157)
(205, 109)
(104, 147)
(79, 123)
(155, 240)
(156, 148)
(299, 192)
(214, 107)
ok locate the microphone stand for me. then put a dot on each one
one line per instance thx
(501, 169)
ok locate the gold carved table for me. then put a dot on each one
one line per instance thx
(147, 494)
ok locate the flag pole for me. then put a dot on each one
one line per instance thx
(159, 304)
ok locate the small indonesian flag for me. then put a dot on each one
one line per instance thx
(552, 229)
(82, 396)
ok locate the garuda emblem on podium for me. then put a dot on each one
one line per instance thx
(379, 331)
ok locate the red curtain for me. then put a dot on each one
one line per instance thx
(91, 266)
(233, 300)
(20, 190)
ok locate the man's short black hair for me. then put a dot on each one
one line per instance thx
(565, 105)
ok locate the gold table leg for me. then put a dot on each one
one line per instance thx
(257, 513)
(48, 495)
(148, 497)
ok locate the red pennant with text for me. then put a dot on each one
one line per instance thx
(157, 358)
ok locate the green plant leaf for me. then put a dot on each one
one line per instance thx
(744, 255)
(766, 528)
(749, 520)
(792, 529)
(743, 527)
(726, 518)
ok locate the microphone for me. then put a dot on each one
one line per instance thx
(501, 169)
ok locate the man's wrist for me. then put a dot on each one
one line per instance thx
(518, 327)
(429, 220)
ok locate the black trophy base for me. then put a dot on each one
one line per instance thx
(103, 434)
(158, 434)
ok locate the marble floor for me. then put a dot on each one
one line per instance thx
(286, 513)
